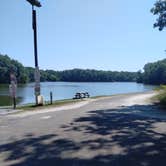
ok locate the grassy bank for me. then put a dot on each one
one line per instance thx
(48, 105)
(161, 96)
(7, 100)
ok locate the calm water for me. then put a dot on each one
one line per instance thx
(66, 90)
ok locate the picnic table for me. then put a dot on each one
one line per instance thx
(80, 95)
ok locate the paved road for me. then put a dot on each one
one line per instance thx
(123, 130)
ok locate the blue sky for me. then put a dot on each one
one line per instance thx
(95, 34)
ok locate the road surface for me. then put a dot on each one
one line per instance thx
(122, 130)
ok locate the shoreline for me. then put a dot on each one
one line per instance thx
(129, 98)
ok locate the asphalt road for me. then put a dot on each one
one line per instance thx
(123, 130)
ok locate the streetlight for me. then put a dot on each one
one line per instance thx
(34, 3)
(34, 27)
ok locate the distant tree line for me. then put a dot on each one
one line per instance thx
(80, 75)
(96, 76)
(154, 73)
(26, 74)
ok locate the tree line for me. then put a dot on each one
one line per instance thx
(26, 74)
(154, 73)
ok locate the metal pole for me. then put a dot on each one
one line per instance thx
(34, 23)
(14, 102)
(50, 97)
(37, 72)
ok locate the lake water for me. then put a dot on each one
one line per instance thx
(66, 90)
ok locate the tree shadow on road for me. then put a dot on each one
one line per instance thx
(127, 136)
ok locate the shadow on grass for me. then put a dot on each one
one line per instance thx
(119, 137)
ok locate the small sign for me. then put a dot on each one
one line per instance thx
(13, 89)
(13, 85)
(37, 75)
(13, 78)
(37, 81)
(37, 90)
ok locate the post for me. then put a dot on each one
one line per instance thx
(37, 71)
(14, 102)
(13, 88)
(34, 23)
(50, 97)
(34, 27)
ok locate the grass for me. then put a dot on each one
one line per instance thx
(7, 100)
(31, 107)
(96, 97)
(161, 96)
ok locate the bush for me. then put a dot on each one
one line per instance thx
(161, 97)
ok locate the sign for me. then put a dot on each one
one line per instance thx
(13, 78)
(37, 75)
(37, 89)
(37, 81)
(13, 85)
(13, 90)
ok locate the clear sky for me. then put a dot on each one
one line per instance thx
(95, 34)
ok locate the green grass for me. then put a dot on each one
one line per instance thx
(48, 105)
(33, 107)
(96, 97)
(161, 96)
(7, 100)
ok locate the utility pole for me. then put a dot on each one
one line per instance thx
(34, 27)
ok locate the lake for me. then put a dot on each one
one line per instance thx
(66, 90)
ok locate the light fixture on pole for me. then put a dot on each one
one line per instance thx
(35, 3)
(34, 26)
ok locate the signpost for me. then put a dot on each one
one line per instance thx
(34, 27)
(13, 88)
(37, 81)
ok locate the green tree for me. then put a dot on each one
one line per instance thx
(30, 73)
(159, 9)
(139, 78)
(155, 73)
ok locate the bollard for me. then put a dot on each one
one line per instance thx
(50, 97)
(14, 102)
